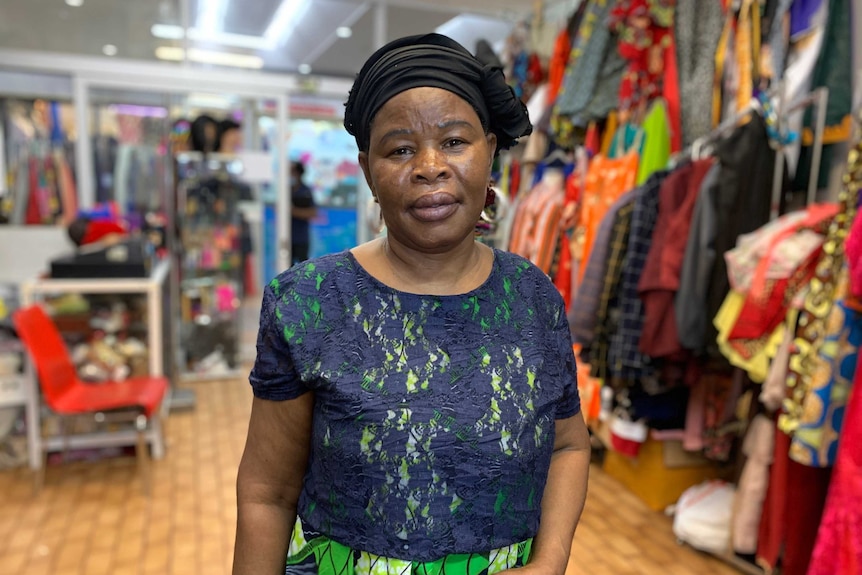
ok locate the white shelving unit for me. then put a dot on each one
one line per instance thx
(152, 288)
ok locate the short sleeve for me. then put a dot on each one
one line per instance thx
(561, 346)
(274, 375)
(302, 197)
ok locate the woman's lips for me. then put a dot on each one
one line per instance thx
(434, 207)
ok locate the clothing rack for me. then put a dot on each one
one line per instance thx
(818, 98)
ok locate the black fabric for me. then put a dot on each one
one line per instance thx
(743, 197)
(434, 60)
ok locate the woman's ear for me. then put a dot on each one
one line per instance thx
(492, 147)
(366, 170)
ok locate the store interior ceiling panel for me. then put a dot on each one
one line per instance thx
(275, 35)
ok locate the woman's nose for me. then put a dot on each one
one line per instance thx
(429, 164)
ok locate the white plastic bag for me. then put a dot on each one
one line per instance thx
(703, 516)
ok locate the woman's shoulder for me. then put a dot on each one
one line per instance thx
(530, 281)
(518, 267)
(316, 274)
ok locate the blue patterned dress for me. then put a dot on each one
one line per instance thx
(434, 416)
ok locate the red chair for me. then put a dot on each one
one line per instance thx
(137, 399)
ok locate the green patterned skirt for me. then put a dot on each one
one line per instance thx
(311, 553)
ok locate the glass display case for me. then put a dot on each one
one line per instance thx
(211, 261)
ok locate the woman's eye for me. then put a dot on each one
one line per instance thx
(400, 151)
(454, 142)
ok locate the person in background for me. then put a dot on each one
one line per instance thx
(229, 137)
(302, 211)
(204, 134)
(415, 398)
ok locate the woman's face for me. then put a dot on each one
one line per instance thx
(428, 165)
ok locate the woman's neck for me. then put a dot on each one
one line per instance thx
(454, 272)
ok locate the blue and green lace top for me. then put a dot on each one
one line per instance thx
(434, 416)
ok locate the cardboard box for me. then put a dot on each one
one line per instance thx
(651, 480)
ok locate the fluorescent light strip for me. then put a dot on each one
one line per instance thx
(288, 13)
(170, 32)
(176, 54)
(211, 16)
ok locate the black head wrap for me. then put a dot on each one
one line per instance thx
(434, 60)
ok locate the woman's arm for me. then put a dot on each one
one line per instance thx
(269, 482)
(563, 499)
(304, 213)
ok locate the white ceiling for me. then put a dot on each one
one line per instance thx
(51, 25)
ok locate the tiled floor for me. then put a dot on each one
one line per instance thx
(92, 519)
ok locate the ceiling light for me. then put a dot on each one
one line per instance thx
(344, 32)
(176, 54)
(211, 16)
(172, 53)
(109, 50)
(172, 32)
(167, 31)
(288, 13)
(303, 69)
(75, 3)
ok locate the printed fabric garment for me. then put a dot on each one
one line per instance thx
(815, 441)
(605, 98)
(607, 315)
(607, 181)
(806, 362)
(839, 539)
(313, 552)
(625, 361)
(697, 27)
(583, 314)
(434, 415)
(536, 231)
(774, 268)
(585, 60)
(770, 270)
(644, 34)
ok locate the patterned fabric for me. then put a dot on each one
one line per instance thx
(815, 442)
(536, 230)
(644, 34)
(585, 309)
(607, 180)
(312, 552)
(819, 301)
(434, 415)
(697, 27)
(585, 61)
(607, 315)
(626, 362)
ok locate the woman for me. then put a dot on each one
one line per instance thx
(415, 404)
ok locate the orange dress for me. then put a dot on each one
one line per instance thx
(606, 181)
